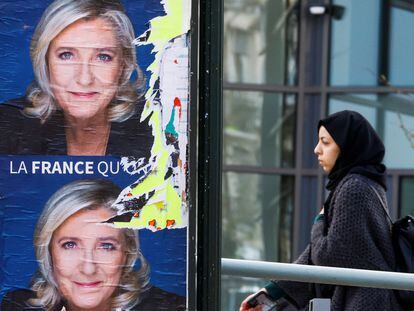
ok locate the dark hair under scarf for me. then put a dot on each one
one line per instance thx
(361, 149)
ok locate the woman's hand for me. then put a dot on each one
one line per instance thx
(246, 307)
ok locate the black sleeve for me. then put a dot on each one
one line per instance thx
(14, 128)
(298, 293)
(155, 299)
(17, 301)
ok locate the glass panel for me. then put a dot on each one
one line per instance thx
(407, 196)
(257, 216)
(259, 129)
(354, 43)
(391, 192)
(392, 116)
(260, 41)
(312, 113)
(401, 45)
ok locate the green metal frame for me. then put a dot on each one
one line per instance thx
(209, 156)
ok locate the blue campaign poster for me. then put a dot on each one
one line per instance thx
(94, 154)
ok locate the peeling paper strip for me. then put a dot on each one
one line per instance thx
(163, 186)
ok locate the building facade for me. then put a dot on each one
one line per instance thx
(287, 64)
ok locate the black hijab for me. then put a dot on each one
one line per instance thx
(361, 149)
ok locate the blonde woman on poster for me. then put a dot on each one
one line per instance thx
(83, 100)
(85, 263)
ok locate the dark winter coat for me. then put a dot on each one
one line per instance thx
(358, 237)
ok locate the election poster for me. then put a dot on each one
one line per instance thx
(94, 123)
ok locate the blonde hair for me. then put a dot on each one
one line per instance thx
(68, 200)
(57, 17)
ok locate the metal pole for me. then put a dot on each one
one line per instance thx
(318, 274)
(209, 159)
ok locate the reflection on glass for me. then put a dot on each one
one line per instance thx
(392, 116)
(354, 43)
(401, 45)
(407, 196)
(260, 41)
(257, 216)
(312, 112)
(259, 129)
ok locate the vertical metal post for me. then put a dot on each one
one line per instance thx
(209, 165)
(299, 121)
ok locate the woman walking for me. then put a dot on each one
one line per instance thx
(352, 229)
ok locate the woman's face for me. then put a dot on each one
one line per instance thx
(88, 259)
(327, 150)
(85, 64)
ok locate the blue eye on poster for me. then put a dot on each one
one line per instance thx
(93, 154)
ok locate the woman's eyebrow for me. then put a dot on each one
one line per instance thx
(68, 238)
(65, 48)
(112, 48)
(105, 49)
(109, 238)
